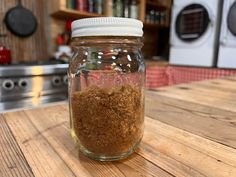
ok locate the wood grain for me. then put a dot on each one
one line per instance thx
(57, 27)
(142, 10)
(12, 160)
(209, 122)
(183, 137)
(170, 150)
(31, 48)
(71, 14)
(53, 133)
(219, 98)
(199, 156)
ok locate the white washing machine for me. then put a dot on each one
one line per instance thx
(195, 32)
(227, 49)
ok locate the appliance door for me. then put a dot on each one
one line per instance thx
(227, 49)
(192, 25)
(228, 30)
(231, 19)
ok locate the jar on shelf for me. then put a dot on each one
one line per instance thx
(118, 8)
(106, 87)
(133, 9)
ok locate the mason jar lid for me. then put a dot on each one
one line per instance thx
(107, 26)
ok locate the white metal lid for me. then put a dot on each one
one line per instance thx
(107, 26)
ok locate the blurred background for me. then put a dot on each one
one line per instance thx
(54, 18)
(184, 41)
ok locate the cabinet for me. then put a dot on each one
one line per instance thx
(60, 12)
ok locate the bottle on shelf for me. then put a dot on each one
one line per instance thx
(98, 6)
(147, 18)
(71, 4)
(167, 17)
(5, 53)
(162, 18)
(133, 9)
(81, 5)
(152, 16)
(91, 6)
(118, 8)
(157, 17)
(126, 8)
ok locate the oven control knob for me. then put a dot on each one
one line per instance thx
(65, 80)
(56, 81)
(8, 84)
(23, 83)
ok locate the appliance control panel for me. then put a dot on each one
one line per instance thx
(25, 87)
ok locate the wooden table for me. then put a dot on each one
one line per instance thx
(190, 131)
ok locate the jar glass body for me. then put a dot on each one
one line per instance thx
(106, 95)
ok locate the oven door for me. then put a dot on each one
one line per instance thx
(231, 19)
(228, 28)
(192, 25)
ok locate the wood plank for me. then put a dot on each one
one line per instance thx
(170, 148)
(215, 98)
(125, 167)
(230, 78)
(154, 26)
(166, 3)
(211, 123)
(136, 165)
(186, 134)
(202, 96)
(225, 85)
(213, 85)
(54, 132)
(34, 47)
(154, 63)
(142, 10)
(157, 147)
(42, 158)
(215, 88)
(71, 14)
(12, 160)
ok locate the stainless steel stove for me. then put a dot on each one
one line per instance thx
(29, 85)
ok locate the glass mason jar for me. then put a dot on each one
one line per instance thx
(106, 87)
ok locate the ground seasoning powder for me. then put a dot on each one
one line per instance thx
(108, 121)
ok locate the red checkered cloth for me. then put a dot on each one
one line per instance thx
(158, 76)
(178, 75)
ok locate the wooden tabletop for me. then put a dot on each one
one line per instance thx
(190, 131)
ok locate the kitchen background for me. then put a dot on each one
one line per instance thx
(31, 48)
(184, 41)
(52, 17)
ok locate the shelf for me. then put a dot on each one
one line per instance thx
(151, 63)
(73, 14)
(153, 26)
(156, 6)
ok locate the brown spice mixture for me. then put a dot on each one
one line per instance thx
(108, 121)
